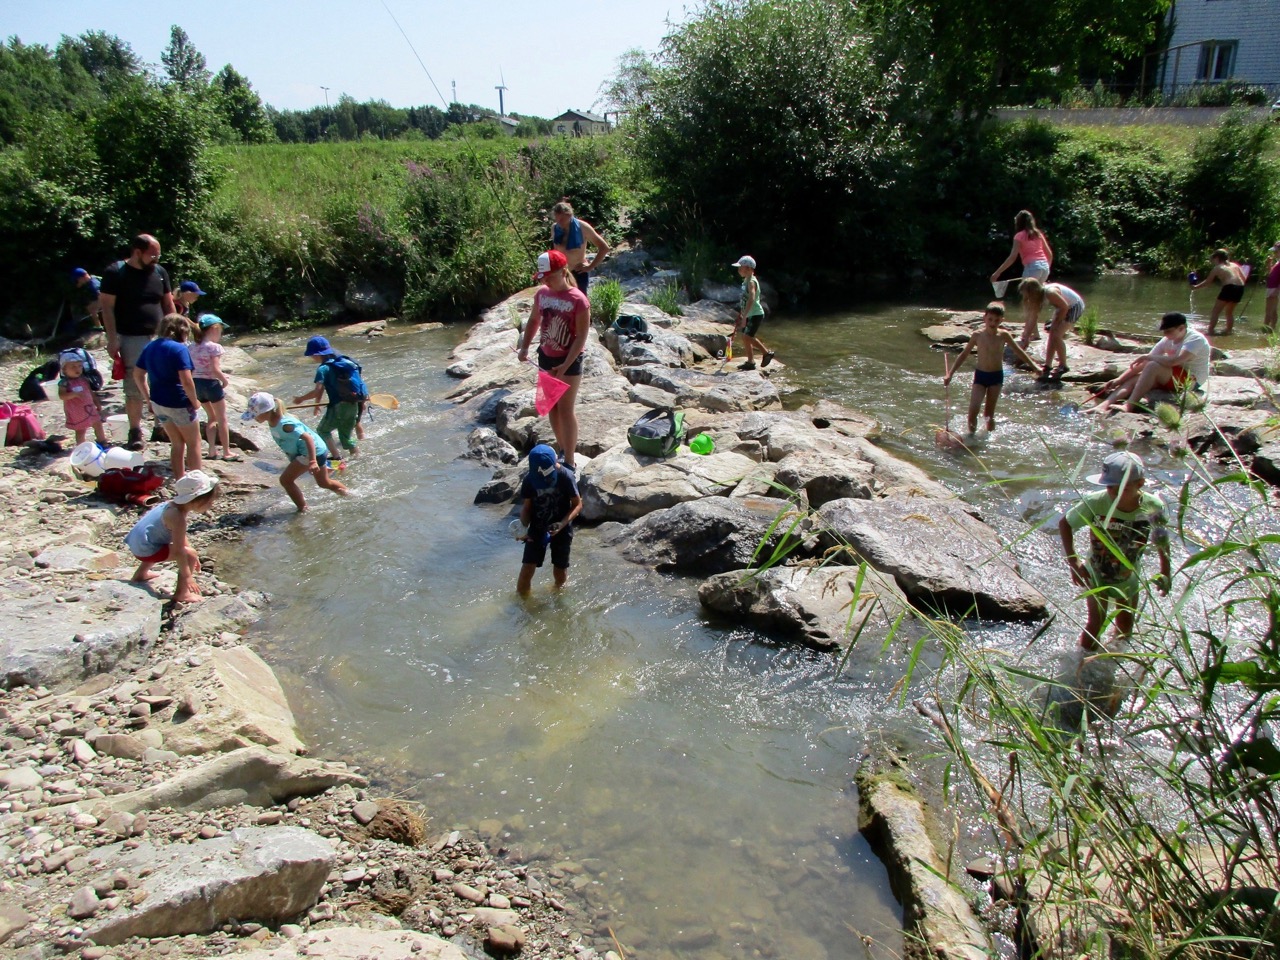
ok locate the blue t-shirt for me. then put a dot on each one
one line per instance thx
(162, 359)
(550, 503)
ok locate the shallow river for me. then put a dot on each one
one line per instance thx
(698, 772)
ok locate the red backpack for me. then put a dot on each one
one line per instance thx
(136, 485)
(23, 425)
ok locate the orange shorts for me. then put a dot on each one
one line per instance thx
(1180, 376)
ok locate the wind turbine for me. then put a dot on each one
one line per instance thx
(501, 88)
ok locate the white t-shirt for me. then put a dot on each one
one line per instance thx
(1198, 363)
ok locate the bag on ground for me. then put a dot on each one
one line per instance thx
(23, 425)
(135, 485)
(630, 325)
(657, 433)
(347, 380)
(32, 388)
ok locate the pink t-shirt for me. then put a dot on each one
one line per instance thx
(557, 311)
(1273, 278)
(202, 356)
(1030, 249)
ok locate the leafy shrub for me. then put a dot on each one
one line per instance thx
(1231, 190)
(667, 299)
(606, 299)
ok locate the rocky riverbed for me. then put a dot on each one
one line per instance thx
(154, 796)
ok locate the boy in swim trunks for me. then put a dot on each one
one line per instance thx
(987, 345)
(1121, 519)
(1232, 277)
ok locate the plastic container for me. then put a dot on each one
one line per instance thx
(118, 458)
(89, 459)
(702, 444)
(117, 425)
(517, 529)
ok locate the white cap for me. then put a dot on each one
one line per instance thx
(260, 403)
(745, 262)
(191, 485)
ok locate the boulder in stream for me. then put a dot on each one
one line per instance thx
(621, 484)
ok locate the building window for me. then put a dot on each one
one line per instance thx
(1217, 59)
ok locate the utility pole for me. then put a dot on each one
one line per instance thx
(327, 110)
(455, 91)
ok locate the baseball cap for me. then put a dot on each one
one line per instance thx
(549, 262)
(1171, 320)
(79, 272)
(745, 262)
(260, 403)
(318, 347)
(1117, 469)
(193, 484)
(542, 466)
(190, 286)
(209, 319)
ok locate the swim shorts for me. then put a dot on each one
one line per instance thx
(550, 363)
(988, 378)
(161, 554)
(535, 548)
(1231, 293)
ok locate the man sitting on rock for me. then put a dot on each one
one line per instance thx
(1179, 361)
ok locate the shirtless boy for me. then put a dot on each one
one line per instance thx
(987, 345)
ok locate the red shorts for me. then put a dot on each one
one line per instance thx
(1180, 376)
(159, 555)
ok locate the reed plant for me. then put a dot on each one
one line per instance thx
(1087, 328)
(667, 299)
(606, 300)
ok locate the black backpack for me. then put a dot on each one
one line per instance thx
(32, 389)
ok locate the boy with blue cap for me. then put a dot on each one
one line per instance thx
(340, 378)
(549, 502)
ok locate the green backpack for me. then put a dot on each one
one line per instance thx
(657, 433)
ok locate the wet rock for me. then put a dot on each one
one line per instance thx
(251, 775)
(368, 328)
(710, 535)
(262, 874)
(485, 446)
(810, 604)
(39, 646)
(217, 614)
(941, 556)
(349, 943)
(624, 485)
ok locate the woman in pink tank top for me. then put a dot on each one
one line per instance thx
(1031, 246)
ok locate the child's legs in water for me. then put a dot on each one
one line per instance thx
(525, 581)
(289, 480)
(975, 403)
(323, 479)
(993, 395)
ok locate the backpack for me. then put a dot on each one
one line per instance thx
(657, 433)
(136, 485)
(631, 327)
(348, 383)
(32, 389)
(23, 425)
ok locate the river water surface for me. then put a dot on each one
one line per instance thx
(697, 772)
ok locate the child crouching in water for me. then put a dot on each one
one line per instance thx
(987, 345)
(549, 502)
(161, 534)
(80, 403)
(307, 453)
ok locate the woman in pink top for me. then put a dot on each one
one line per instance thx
(1031, 246)
(563, 314)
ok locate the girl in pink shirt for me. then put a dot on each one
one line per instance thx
(1031, 246)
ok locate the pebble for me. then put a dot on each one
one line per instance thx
(468, 892)
(270, 818)
(93, 953)
(84, 904)
(364, 811)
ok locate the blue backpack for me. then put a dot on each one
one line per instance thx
(348, 384)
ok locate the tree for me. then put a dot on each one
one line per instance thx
(240, 108)
(109, 60)
(632, 85)
(184, 64)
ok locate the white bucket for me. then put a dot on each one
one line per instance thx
(118, 458)
(88, 458)
(998, 287)
(118, 425)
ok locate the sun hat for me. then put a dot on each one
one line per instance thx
(210, 319)
(260, 403)
(79, 272)
(1117, 469)
(542, 466)
(193, 484)
(549, 262)
(745, 262)
(190, 286)
(70, 356)
(1171, 320)
(318, 347)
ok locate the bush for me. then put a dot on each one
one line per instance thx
(667, 299)
(1231, 189)
(606, 299)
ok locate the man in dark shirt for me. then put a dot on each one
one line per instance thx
(136, 296)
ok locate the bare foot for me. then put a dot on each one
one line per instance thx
(187, 596)
(144, 577)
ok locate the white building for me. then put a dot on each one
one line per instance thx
(1219, 40)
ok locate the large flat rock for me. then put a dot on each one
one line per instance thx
(44, 642)
(624, 485)
(358, 943)
(264, 874)
(942, 556)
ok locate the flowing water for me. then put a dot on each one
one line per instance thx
(698, 772)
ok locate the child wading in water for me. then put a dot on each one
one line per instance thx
(80, 402)
(1121, 519)
(751, 314)
(307, 453)
(340, 378)
(987, 345)
(549, 502)
(206, 358)
(1231, 276)
(161, 534)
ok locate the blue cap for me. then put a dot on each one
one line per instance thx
(542, 466)
(318, 347)
(79, 272)
(190, 286)
(209, 319)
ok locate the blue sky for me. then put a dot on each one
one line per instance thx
(553, 57)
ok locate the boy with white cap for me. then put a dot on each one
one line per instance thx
(1122, 518)
(751, 314)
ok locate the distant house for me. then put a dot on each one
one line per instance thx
(506, 123)
(581, 123)
(1219, 40)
